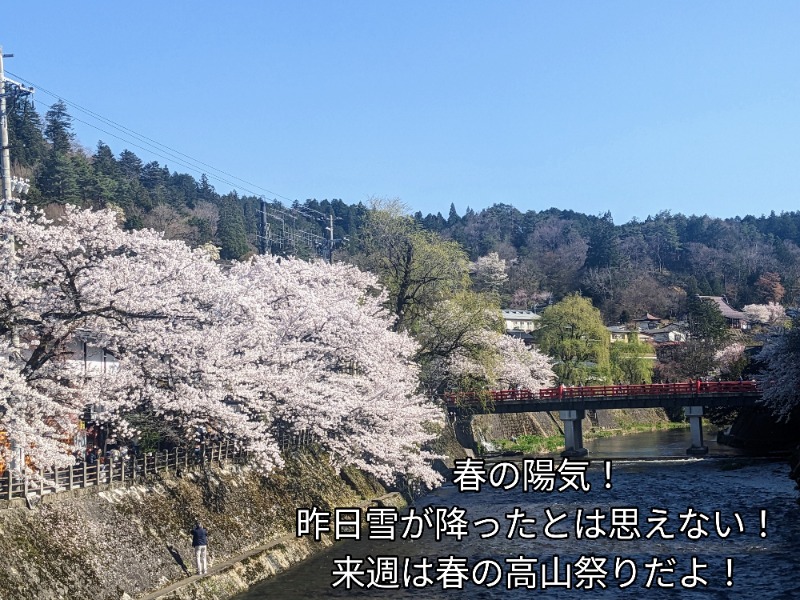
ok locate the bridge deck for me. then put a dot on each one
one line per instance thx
(658, 395)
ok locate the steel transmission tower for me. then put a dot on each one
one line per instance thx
(278, 231)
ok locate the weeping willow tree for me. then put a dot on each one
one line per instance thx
(573, 334)
(632, 361)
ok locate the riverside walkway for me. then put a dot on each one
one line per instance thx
(572, 403)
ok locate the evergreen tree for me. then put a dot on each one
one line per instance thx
(104, 162)
(183, 190)
(130, 165)
(706, 322)
(663, 238)
(231, 231)
(453, 219)
(106, 175)
(205, 191)
(58, 181)
(58, 128)
(153, 176)
(603, 244)
(24, 130)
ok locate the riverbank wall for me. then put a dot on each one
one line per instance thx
(130, 542)
(493, 427)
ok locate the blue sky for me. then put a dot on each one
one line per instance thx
(632, 107)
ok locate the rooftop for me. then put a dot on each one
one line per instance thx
(725, 308)
(513, 313)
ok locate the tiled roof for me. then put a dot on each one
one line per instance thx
(725, 309)
(648, 317)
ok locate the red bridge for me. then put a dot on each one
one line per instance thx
(572, 402)
(661, 393)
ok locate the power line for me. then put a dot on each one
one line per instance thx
(157, 153)
(156, 148)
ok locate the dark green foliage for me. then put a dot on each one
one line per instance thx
(706, 322)
(130, 165)
(603, 243)
(58, 127)
(58, 180)
(642, 265)
(231, 232)
(25, 130)
(453, 219)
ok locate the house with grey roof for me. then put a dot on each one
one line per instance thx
(736, 319)
(520, 320)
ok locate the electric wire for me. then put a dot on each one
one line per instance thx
(156, 153)
(156, 148)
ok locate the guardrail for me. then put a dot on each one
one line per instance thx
(131, 470)
(126, 471)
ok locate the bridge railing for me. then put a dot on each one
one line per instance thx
(607, 391)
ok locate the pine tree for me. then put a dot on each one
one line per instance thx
(58, 180)
(205, 190)
(58, 128)
(453, 218)
(130, 165)
(231, 231)
(25, 131)
(603, 243)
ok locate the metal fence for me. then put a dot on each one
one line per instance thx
(125, 471)
(131, 470)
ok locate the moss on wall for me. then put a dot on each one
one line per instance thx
(497, 427)
(133, 540)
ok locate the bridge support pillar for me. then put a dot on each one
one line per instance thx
(462, 427)
(695, 416)
(573, 433)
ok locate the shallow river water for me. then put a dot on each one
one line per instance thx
(746, 506)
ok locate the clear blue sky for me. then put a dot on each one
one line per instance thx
(633, 107)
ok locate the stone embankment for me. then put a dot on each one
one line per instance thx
(133, 542)
(112, 542)
(506, 426)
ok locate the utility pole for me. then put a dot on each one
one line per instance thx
(9, 185)
(262, 228)
(330, 239)
(17, 461)
(4, 127)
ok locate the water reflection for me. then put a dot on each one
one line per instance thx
(663, 443)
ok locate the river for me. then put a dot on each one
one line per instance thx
(746, 553)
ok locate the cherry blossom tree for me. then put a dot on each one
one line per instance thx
(771, 313)
(731, 359)
(489, 272)
(780, 379)
(462, 347)
(263, 347)
(502, 362)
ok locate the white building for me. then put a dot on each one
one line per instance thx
(520, 320)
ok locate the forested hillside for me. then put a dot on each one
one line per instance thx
(627, 269)
(640, 266)
(149, 194)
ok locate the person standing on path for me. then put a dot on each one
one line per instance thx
(200, 545)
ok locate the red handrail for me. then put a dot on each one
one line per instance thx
(606, 391)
